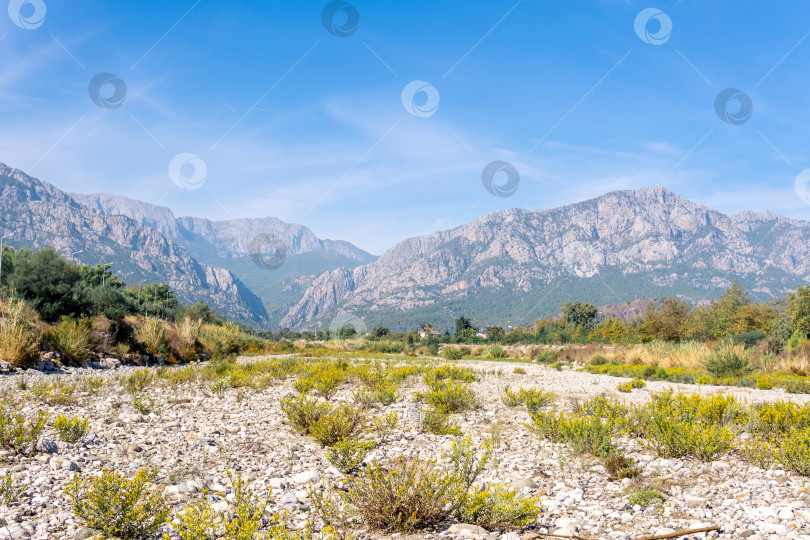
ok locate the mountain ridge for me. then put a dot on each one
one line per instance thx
(651, 239)
(35, 213)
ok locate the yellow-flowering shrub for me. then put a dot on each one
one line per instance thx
(18, 433)
(497, 505)
(70, 430)
(117, 506)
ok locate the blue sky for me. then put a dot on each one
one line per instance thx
(295, 122)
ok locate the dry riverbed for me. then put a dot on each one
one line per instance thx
(195, 436)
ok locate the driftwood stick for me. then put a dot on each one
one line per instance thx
(681, 533)
(534, 534)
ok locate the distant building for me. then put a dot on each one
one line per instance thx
(428, 332)
(483, 332)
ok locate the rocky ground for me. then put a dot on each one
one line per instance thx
(196, 437)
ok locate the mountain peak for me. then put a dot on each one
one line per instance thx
(513, 265)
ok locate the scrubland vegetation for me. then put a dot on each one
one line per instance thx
(349, 398)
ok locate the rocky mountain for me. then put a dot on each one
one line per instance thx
(235, 244)
(512, 266)
(230, 238)
(35, 214)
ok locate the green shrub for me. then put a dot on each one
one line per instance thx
(438, 422)
(467, 461)
(56, 392)
(534, 399)
(584, 434)
(140, 380)
(72, 337)
(496, 351)
(452, 353)
(497, 506)
(670, 437)
(10, 491)
(17, 433)
(510, 398)
(302, 413)
(748, 338)
(243, 522)
(631, 385)
(519, 371)
(144, 405)
(450, 372)
(71, 430)
(728, 360)
(336, 424)
(598, 360)
(348, 453)
(449, 397)
(403, 497)
(620, 466)
(794, 452)
(119, 507)
(644, 497)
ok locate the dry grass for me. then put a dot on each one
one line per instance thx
(19, 335)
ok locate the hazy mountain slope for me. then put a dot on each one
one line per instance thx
(230, 238)
(514, 265)
(226, 244)
(36, 214)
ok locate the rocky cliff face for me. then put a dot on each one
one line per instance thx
(36, 214)
(513, 265)
(230, 238)
(227, 244)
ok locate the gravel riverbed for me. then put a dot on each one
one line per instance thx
(196, 437)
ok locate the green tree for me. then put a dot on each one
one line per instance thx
(156, 299)
(98, 276)
(496, 333)
(108, 301)
(799, 310)
(725, 311)
(463, 324)
(47, 282)
(580, 314)
(200, 311)
(379, 331)
(668, 322)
